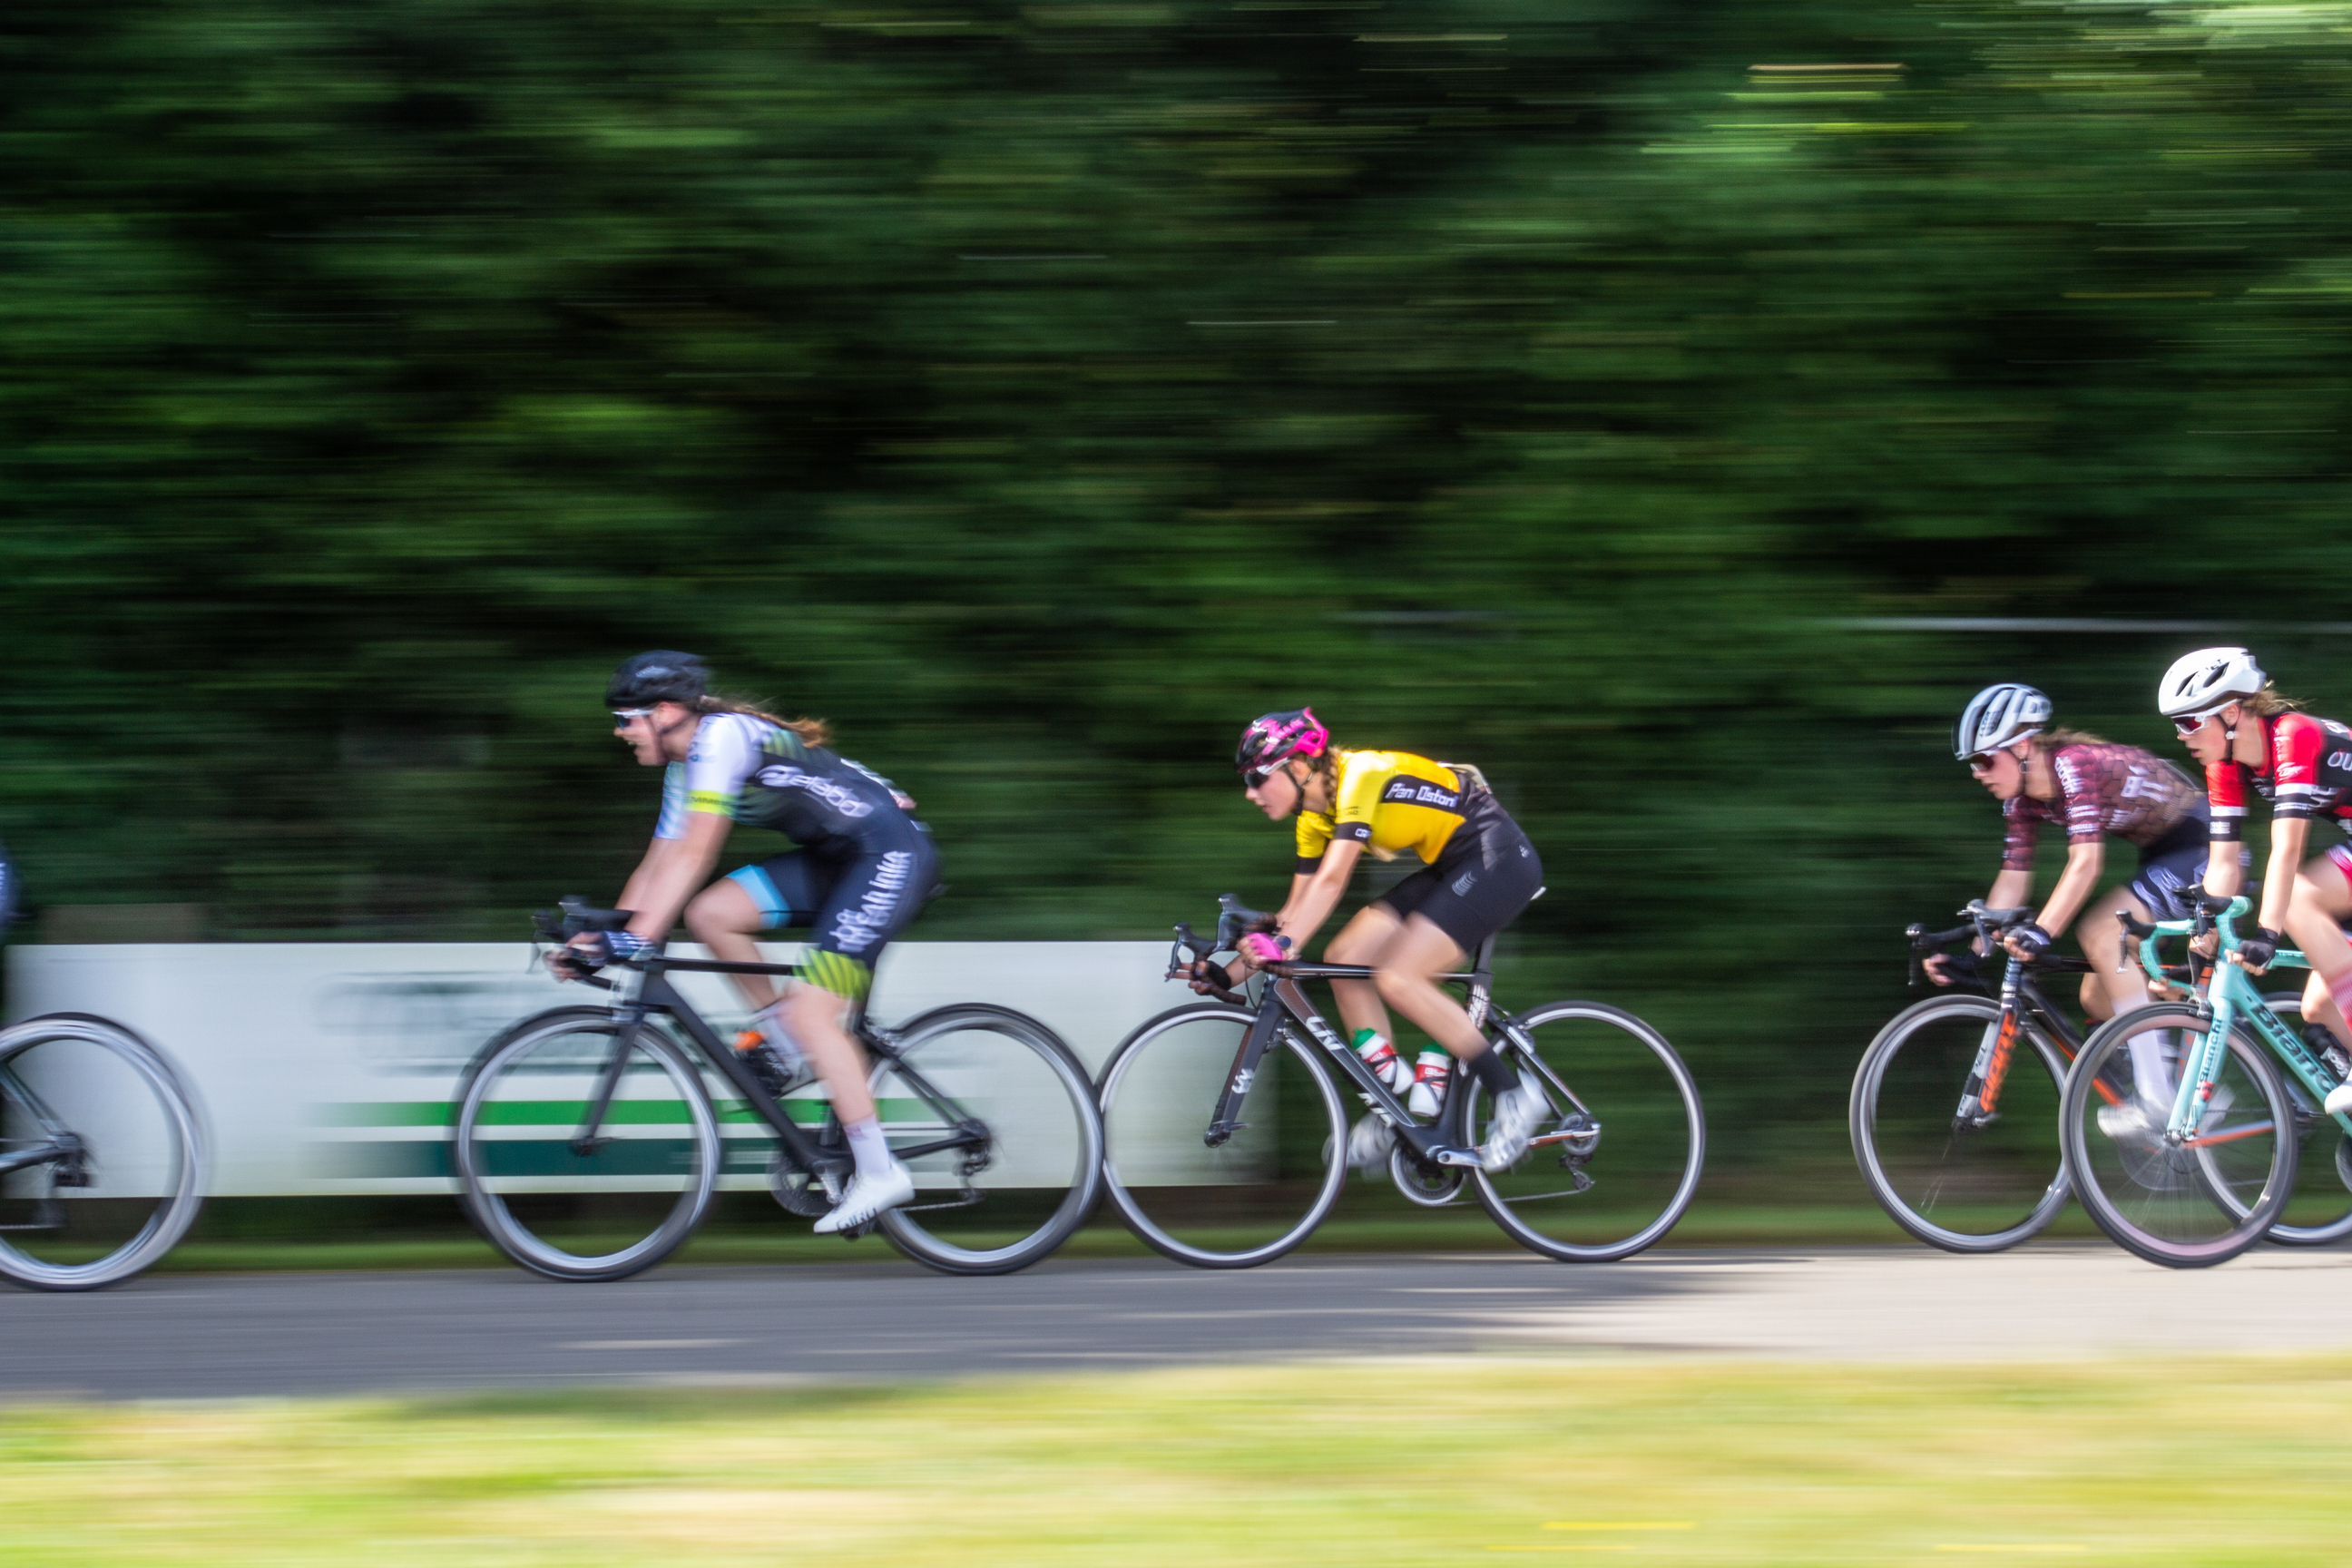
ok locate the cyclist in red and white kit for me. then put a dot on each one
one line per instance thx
(2234, 722)
(2095, 787)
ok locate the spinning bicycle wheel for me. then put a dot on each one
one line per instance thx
(1011, 1201)
(1237, 1204)
(569, 1198)
(1617, 1162)
(2197, 1202)
(1976, 1187)
(105, 1155)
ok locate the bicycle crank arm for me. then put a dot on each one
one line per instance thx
(1464, 1157)
(937, 1146)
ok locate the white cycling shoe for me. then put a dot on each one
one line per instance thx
(1370, 1141)
(2339, 1100)
(2131, 1122)
(1517, 1115)
(867, 1197)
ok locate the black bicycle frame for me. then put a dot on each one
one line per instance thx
(62, 1147)
(655, 994)
(1284, 1004)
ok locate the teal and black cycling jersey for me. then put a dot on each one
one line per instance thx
(864, 866)
(762, 774)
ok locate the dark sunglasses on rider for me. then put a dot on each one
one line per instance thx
(624, 717)
(2191, 723)
(1982, 762)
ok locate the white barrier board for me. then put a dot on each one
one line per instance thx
(323, 1067)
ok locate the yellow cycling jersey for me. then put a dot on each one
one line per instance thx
(1391, 802)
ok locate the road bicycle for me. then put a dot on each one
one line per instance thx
(102, 1155)
(1958, 1142)
(1226, 1122)
(2185, 1139)
(589, 1140)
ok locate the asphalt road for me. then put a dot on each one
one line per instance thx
(272, 1334)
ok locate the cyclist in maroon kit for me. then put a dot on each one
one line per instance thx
(2234, 722)
(2093, 787)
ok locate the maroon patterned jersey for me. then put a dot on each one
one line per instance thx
(2103, 788)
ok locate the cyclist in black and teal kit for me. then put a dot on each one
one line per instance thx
(862, 869)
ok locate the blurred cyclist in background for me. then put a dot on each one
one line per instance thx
(2233, 719)
(1478, 871)
(862, 867)
(2093, 787)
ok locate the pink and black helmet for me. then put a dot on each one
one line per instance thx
(1273, 739)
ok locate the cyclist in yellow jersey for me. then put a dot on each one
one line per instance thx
(1478, 871)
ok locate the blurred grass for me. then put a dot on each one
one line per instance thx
(1675, 1463)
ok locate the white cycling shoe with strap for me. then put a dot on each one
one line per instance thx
(867, 1196)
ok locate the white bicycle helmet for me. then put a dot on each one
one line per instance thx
(2000, 715)
(2207, 681)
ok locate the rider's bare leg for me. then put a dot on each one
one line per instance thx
(2315, 916)
(2116, 983)
(1406, 979)
(723, 918)
(1362, 941)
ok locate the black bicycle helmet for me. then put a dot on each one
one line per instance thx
(664, 675)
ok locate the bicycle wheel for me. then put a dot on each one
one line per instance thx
(115, 1156)
(1241, 1203)
(2191, 1204)
(578, 1202)
(2320, 1212)
(1002, 1207)
(1616, 1164)
(1959, 1186)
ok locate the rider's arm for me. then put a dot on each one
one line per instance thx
(2288, 835)
(656, 853)
(2011, 889)
(2225, 795)
(673, 871)
(2083, 863)
(699, 801)
(1313, 897)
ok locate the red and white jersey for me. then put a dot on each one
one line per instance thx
(2307, 772)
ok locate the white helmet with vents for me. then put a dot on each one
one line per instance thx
(2000, 715)
(2207, 681)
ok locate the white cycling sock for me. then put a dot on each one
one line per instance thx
(871, 1150)
(2151, 1074)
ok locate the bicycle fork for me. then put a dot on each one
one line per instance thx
(2200, 1072)
(1980, 1100)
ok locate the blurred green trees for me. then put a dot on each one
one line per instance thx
(1039, 391)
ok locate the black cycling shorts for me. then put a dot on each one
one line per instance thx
(2168, 868)
(1485, 876)
(854, 903)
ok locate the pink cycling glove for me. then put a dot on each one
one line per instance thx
(1263, 949)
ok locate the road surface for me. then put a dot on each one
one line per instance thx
(196, 1336)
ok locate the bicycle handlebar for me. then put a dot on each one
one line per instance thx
(1983, 925)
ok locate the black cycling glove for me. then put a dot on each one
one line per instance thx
(2257, 951)
(2033, 939)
